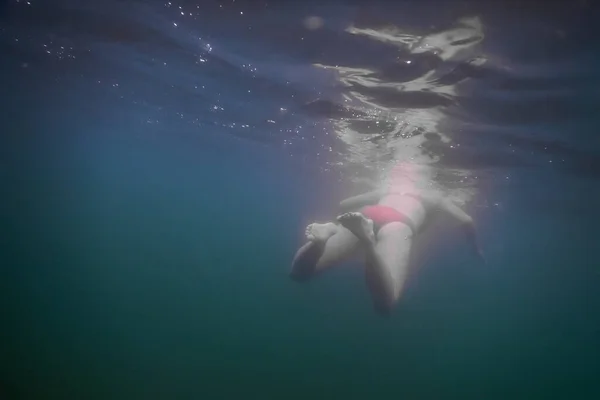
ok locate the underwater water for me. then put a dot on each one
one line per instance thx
(160, 161)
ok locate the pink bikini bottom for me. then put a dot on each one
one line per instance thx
(383, 215)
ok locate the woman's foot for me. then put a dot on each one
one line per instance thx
(359, 225)
(320, 232)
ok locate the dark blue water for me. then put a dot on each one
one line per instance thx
(160, 160)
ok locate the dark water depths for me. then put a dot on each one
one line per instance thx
(160, 160)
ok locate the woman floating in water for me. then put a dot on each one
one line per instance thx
(385, 226)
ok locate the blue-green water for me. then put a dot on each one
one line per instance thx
(149, 260)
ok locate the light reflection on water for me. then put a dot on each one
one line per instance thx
(325, 84)
(402, 105)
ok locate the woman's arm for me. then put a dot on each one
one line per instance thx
(356, 202)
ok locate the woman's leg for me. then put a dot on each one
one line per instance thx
(328, 244)
(387, 265)
(388, 257)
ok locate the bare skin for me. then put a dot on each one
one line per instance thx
(387, 252)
